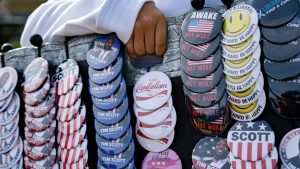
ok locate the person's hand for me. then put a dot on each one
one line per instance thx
(149, 35)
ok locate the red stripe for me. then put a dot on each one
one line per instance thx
(141, 98)
(68, 129)
(243, 164)
(264, 164)
(253, 165)
(240, 148)
(259, 151)
(233, 164)
(274, 163)
(67, 140)
(69, 99)
(62, 86)
(249, 152)
(270, 147)
(73, 157)
(67, 155)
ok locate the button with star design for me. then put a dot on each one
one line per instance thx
(288, 149)
(38, 152)
(40, 123)
(9, 128)
(8, 143)
(167, 159)
(8, 81)
(11, 111)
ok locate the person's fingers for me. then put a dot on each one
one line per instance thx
(161, 36)
(139, 40)
(150, 39)
(130, 48)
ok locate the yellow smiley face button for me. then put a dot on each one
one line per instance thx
(240, 22)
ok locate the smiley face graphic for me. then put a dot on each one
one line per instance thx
(236, 23)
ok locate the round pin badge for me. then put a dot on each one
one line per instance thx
(9, 128)
(288, 89)
(201, 51)
(119, 160)
(35, 75)
(82, 163)
(201, 68)
(105, 90)
(73, 155)
(69, 141)
(287, 149)
(211, 152)
(9, 159)
(129, 166)
(112, 101)
(273, 14)
(72, 126)
(269, 161)
(153, 117)
(244, 66)
(115, 131)
(258, 88)
(240, 22)
(167, 159)
(103, 51)
(40, 123)
(280, 52)
(46, 163)
(107, 74)
(251, 141)
(8, 79)
(152, 90)
(206, 99)
(71, 97)
(201, 26)
(67, 114)
(8, 143)
(38, 152)
(243, 49)
(204, 84)
(65, 77)
(5, 102)
(109, 117)
(161, 130)
(113, 147)
(154, 145)
(11, 111)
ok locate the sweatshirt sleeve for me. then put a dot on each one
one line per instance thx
(56, 19)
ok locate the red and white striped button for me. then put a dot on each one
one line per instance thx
(46, 163)
(82, 163)
(73, 125)
(39, 123)
(11, 111)
(38, 152)
(71, 97)
(68, 141)
(73, 155)
(67, 114)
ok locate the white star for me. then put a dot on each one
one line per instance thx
(250, 124)
(198, 147)
(158, 163)
(239, 127)
(208, 152)
(163, 163)
(213, 147)
(205, 143)
(262, 127)
(212, 139)
(153, 163)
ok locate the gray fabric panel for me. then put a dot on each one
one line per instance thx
(54, 53)
(79, 46)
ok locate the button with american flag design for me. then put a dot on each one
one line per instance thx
(69, 99)
(167, 159)
(201, 68)
(201, 26)
(131, 165)
(11, 111)
(5, 102)
(9, 128)
(113, 147)
(82, 163)
(103, 51)
(106, 74)
(119, 160)
(8, 81)
(39, 152)
(251, 141)
(35, 75)
(289, 149)
(72, 155)
(68, 141)
(8, 143)
(46, 163)
(67, 114)
(199, 52)
(40, 123)
(10, 158)
(211, 152)
(65, 77)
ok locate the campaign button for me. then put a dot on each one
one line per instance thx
(119, 160)
(154, 145)
(40, 123)
(105, 90)
(19, 165)
(269, 161)
(68, 113)
(201, 26)
(115, 131)
(161, 130)
(240, 22)
(8, 81)
(129, 166)
(82, 163)
(211, 152)
(167, 159)
(103, 51)
(199, 52)
(11, 111)
(35, 75)
(243, 66)
(243, 49)
(113, 147)
(281, 52)
(276, 13)
(38, 96)
(46, 163)
(258, 88)
(113, 100)
(72, 126)
(201, 68)
(69, 99)
(106, 74)
(204, 84)
(153, 117)
(283, 70)
(68, 141)
(152, 90)
(109, 117)
(5, 102)
(65, 77)
(9, 128)
(8, 143)
(44, 107)
(289, 143)
(206, 99)
(11, 158)
(251, 141)
(38, 152)
(72, 155)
